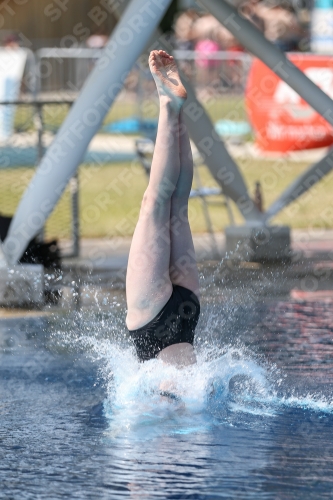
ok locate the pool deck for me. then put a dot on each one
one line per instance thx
(112, 254)
(100, 271)
(309, 274)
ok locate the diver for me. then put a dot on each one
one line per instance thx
(162, 280)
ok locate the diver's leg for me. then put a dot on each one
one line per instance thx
(148, 285)
(183, 267)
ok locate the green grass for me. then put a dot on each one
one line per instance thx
(110, 198)
(229, 107)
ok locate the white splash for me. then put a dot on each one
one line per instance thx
(145, 394)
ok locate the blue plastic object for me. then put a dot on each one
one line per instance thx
(131, 126)
(227, 128)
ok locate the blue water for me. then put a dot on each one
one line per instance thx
(80, 418)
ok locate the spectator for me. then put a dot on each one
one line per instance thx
(97, 40)
(11, 41)
(248, 10)
(184, 38)
(183, 28)
(206, 33)
(208, 27)
(281, 25)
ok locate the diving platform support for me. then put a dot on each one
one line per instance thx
(21, 284)
(258, 243)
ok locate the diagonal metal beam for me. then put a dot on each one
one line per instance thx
(214, 153)
(277, 61)
(220, 163)
(84, 119)
(302, 184)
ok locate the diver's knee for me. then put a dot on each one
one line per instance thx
(153, 202)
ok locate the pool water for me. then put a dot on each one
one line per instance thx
(80, 418)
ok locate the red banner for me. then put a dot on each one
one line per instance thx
(281, 119)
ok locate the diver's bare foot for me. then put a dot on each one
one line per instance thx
(166, 76)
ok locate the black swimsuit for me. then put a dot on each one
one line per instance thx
(174, 324)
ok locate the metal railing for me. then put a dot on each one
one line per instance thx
(65, 70)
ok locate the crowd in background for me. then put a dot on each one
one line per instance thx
(203, 33)
(195, 30)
